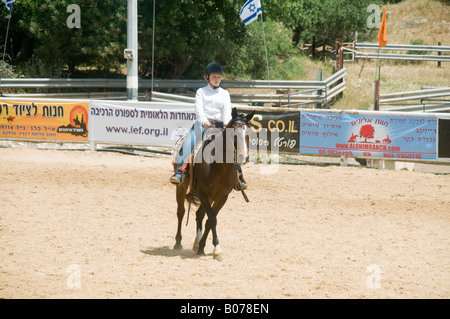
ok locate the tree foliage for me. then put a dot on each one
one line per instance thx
(188, 35)
(326, 20)
(52, 45)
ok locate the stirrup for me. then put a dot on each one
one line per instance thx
(241, 184)
(176, 178)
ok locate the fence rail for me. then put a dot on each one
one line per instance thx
(401, 47)
(311, 92)
(46, 83)
(426, 100)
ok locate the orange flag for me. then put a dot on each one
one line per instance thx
(382, 33)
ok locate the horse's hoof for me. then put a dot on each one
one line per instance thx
(217, 253)
(178, 246)
(200, 252)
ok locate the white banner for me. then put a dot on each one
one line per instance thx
(139, 123)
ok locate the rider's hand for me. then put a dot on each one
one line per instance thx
(207, 124)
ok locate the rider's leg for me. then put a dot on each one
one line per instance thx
(182, 157)
(241, 181)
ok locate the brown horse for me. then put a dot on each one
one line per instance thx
(215, 175)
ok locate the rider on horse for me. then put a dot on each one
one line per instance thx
(213, 109)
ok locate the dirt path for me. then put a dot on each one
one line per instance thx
(102, 225)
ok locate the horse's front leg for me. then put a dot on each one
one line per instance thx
(200, 214)
(181, 195)
(218, 204)
(211, 224)
(201, 249)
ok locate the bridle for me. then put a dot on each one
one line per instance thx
(239, 124)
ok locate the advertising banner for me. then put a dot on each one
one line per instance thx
(276, 131)
(44, 120)
(444, 138)
(138, 123)
(368, 135)
(162, 124)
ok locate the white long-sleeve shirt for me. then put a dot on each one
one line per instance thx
(213, 104)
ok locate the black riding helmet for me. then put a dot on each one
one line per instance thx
(213, 67)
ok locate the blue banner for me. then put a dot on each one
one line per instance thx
(368, 135)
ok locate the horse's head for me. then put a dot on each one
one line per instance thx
(239, 127)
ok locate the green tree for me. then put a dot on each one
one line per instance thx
(249, 59)
(326, 20)
(98, 43)
(20, 42)
(188, 34)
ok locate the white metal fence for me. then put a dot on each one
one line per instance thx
(411, 56)
(295, 93)
(425, 100)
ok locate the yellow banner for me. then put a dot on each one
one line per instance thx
(44, 120)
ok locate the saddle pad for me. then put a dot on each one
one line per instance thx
(179, 145)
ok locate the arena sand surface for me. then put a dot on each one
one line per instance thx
(82, 224)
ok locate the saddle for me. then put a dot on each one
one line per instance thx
(207, 137)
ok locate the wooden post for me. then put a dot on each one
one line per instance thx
(341, 60)
(439, 53)
(314, 47)
(324, 49)
(341, 57)
(319, 92)
(337, 58)
(376, 105)
(342, 50)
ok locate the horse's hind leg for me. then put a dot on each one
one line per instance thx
(181, 195)
(202, 242)
(200, 214)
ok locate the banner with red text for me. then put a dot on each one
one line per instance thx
(368, 135)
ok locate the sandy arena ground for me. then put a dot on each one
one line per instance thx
(82, 224)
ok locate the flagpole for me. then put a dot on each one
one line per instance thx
(382, 41)
(7, 32)
(153, 47)
(4, 49)
(267, 57)
(376, 83)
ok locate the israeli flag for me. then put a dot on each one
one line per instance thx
(8, 3)
(250, 11)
